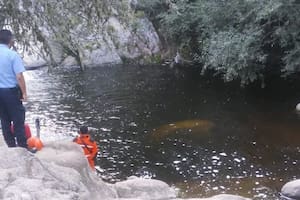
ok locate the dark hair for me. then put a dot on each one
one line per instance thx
(5, 36)
(84, 129)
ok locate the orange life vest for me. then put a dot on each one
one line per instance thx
(89, 147)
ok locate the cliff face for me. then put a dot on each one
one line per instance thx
(122, 36)
(118, 43)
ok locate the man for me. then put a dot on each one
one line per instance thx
(12, 92)
(88, 145)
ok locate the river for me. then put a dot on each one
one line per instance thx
(251, 149)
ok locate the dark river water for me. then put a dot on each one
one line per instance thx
(197, 134)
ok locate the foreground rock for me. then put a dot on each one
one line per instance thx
(225, 197)
(60, 171)
(291, 190)
(140, 188)
(57, 172)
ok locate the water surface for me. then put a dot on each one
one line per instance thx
(252, 149)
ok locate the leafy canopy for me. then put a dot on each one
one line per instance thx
(238, 39)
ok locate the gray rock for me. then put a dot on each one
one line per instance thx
(132, 42)
(298, 107)
(144, 189)
(221, 197)
(228, 197)
(59, 171)
(291, 189)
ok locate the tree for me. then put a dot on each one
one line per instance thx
(235, 38)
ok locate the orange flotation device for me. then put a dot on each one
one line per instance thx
(35, 143)
(32, 141)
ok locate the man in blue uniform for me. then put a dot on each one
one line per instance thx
(12, 92)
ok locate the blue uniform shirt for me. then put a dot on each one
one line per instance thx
(10, 65)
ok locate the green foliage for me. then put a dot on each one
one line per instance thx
(235, 38)
(231, 53)
(288, 33)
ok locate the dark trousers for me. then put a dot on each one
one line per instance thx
(12, 111)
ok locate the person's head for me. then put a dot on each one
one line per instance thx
(6, 37)
(83, 130)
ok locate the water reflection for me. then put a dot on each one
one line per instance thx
(252, 149)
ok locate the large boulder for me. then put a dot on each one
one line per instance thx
(133, 41)
(95, 50)
(222, 197)
(144, 189)
(291, 190)
(226, 197)
(59, 171)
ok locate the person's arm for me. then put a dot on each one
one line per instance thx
(18, 68)
(22, 85)
(94, 150)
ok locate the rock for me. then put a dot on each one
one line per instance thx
(102, 56)
(117, 41)
(291, 190)
(131, 44)
(56, 50)
(95, 50)
(228, 197)
(298, 107)
(144, 189)
(32, 60)
(69, 61)
(222, 197)
(59, 171)
(133, 4)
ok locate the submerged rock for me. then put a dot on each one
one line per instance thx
(195, 127)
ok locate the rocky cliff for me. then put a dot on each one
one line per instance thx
(67, 36)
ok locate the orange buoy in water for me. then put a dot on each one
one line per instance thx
(34, 143)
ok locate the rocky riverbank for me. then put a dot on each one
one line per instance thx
(60, 171)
